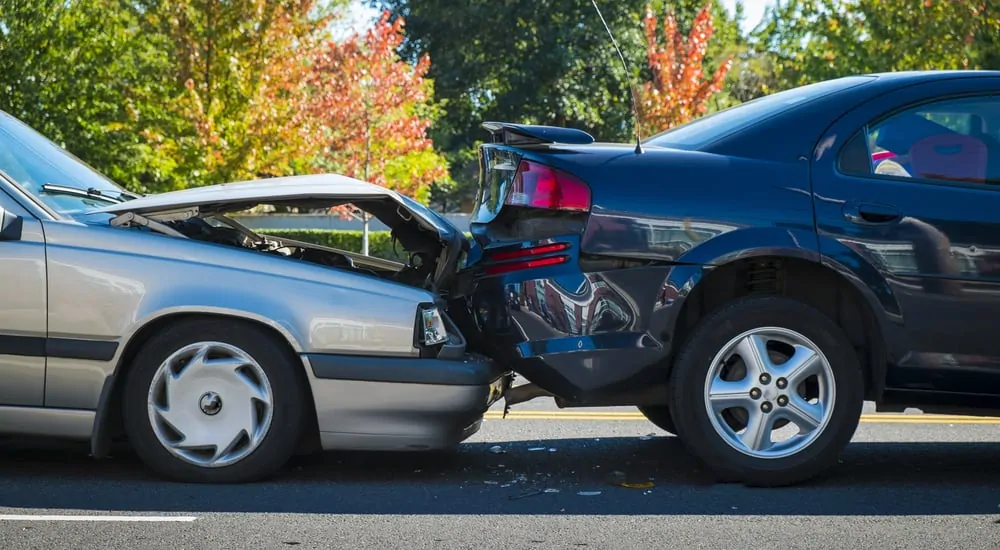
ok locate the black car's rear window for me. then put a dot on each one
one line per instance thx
(707, 129)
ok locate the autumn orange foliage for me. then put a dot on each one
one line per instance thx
(679, 91)
(242, 73)
(373, 109)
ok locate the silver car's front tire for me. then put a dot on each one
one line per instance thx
(767, 391)
(215, 401)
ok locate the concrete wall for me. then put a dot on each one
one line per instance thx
(318, 221)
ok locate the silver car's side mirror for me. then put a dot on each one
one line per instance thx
(10, 226)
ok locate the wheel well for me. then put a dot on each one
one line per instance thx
(109, 424)
(809, 282)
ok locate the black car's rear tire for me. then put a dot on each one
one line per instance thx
(660, 417)
(228, 385)
(715, 394)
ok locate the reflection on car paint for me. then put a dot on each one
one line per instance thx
(591, 307)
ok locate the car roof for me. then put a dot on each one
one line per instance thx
(914, 77)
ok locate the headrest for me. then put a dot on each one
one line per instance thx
(900, 133)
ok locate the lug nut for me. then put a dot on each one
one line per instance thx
(781, 383)
(782, 400)
(765, 406)
(765, 378)
(755, 393)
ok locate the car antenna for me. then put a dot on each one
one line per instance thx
(628, 75)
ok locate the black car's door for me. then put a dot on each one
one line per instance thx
(909, 183)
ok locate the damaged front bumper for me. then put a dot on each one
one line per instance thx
(400, 404)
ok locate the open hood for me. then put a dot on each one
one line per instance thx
(312, 191)
(413, 225)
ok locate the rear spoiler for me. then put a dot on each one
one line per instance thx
(526, 134)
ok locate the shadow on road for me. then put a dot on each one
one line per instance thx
(873, 479)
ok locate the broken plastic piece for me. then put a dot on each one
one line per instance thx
(496, 449)
(643, 485)
(588, 493)
(525, 495)
(537, 449)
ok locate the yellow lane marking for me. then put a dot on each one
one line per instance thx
(880, 418)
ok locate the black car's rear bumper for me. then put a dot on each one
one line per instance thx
(583, 336)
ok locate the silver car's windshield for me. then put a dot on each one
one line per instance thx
(32, 161)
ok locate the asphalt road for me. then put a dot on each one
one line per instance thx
(907, 481)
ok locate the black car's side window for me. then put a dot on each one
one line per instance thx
(955, 140)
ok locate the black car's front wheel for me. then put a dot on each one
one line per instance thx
(767, 391)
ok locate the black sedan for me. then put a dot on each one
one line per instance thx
(749, 279)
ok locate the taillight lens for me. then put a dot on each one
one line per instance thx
(539, 186)
(525, 258)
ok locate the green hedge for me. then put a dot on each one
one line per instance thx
(379, 242)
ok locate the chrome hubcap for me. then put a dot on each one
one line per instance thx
(764, 381)
(210, 404)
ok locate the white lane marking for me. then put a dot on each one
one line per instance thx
(156, 519)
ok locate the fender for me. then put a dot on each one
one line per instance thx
(790, 243)
(100, 439)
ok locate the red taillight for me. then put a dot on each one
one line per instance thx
(521, 254)
(525, 252)
(517, 266)
(540, 186)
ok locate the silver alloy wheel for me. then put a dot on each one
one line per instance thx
(210, 404)
(749, 391)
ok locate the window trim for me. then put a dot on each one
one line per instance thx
(28, 204)
(913, 180)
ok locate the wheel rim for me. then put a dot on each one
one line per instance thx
(764, 380)
(210, 404)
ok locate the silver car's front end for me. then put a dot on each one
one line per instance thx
(215, 350)
(359, 337)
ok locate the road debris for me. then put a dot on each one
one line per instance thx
(588, 493)
(647, 437)
(551, 490)
(537, 449)
(642, 485)
(526, 495)
(496, 449)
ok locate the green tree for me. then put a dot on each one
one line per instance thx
(530, 61)
(82, 73)
(813, 40)
(374, 110)
(238, 71)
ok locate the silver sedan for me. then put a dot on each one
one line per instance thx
(218, 352)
